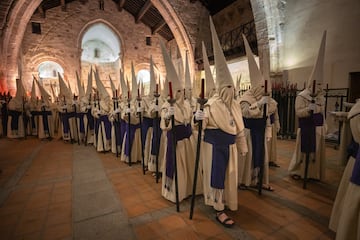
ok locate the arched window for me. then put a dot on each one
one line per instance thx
(48, 76)
(143, 76)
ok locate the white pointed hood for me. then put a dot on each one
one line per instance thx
(64, 91)
(188, 85)
(318, 69)
(171, 75)
(165, 88)
(113, 88)
(44, 94)
(89, 84)
(134, 85)
(152, 78)
(209, 80)
(79, 86)
(124, 89)
(103, 94)
(256, 78)
(223, 76)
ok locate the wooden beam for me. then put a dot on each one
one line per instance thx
(158, 26)
(121, 5)
(143, 10)
(41, 11)
(63, 5)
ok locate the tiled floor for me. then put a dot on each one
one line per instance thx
(37, 199)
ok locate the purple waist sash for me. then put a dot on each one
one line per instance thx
(182, 132)
(257, 132)
(308, 136)
(220, 141)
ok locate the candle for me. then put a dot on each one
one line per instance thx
(157, 88)
(202, 88)
(313, 90)
(116, 93)
(266, 86)
(138, 92)
(170, 91)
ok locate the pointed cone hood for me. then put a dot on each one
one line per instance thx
(113, 88)
(134, 86)
(80, 87)
(53, 92)
(19, 90)
(209, 80)
(187, 74)
(152, 78)
(123, 86)
(256, 78)
(44, 94)
(165, 88)
(69, 87)
(103, 94)
(64, 91)
(33, 95)
(142, 89)
(318, 70)
(170, 71)
(223, 76)
(238, 81)
(89, 84)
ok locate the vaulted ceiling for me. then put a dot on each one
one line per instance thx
(142, 10)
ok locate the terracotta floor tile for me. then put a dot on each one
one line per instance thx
(60, 197)
(55, 217)
(31, 221)
(147, 232)
(136, 209)
(183, 233)
(207, 229)
(171, 223)
(30, 236)
(58, 232)
(38, 200)
(222, 236)
(11, 208)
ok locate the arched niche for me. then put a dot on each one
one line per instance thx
(100, 46)
(48, 76)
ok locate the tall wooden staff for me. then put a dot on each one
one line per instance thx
(307, 156)
(202, 100)
(261, 170)
(68, 120)
(129, 124)
(157, 132)
(141, 133)
(88, 121)
(173, 135)
(76, 120)
(116, 106)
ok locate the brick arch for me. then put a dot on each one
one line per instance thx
(12, 38)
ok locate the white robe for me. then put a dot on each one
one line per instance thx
(317, 162)
(219, 117)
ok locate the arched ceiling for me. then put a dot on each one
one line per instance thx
(142, 10)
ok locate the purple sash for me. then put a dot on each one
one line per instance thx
(257, 131)
(45, 120)
(182, 132)
(65, 120)
(355, 177)
(155, 141)
(308, 134)
(80, 116)
(132, 135)
(146, 124)
(33, 114)
(272, 118)
(14, 119)
(220, 141)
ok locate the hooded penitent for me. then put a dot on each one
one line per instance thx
(113, 88)
(134, 86)
(44, 94)
(187, 79)
(80, 87)
(16, 103)
(209, 80)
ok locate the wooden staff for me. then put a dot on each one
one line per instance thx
(100, 124)
(202, 100)
(157, 132)
(76, 120)
(129, 122)
(141, 133)
(261, 170)
(116, 105)
(87, 125)
(307, 154)
(173, 131)
(24, 115)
